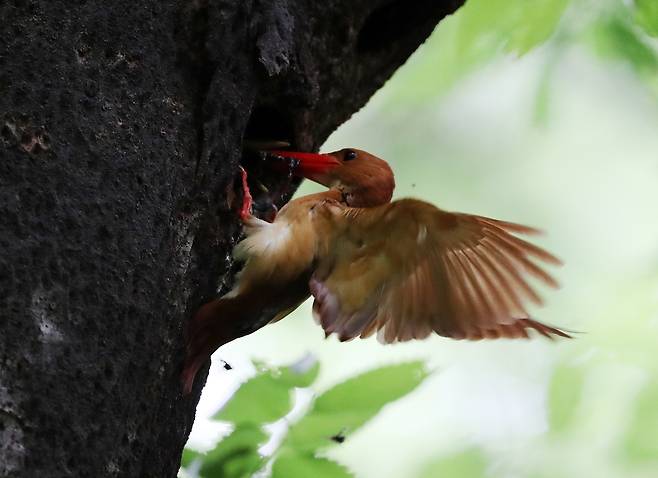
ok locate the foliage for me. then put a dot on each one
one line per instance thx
(477, 33)
(483, 30)
(646, 15)
(641, 437)
(292, 463)
(248, 406)
(637, 443)
(564, 396)
(616, 36)
(470, 463)
(330, 419)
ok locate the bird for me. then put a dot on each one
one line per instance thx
(400, 270)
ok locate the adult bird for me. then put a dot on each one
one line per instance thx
(401, 269)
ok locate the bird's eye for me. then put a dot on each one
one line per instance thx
(349, 155)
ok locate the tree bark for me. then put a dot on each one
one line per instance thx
(121, 130)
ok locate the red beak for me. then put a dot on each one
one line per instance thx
(308, 165)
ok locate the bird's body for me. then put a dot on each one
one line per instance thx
(286, 247)
(401, 269)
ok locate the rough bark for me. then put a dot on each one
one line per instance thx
(121, 129)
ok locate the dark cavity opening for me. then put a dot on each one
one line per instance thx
(268, 128)
(268, 123)
(393, 21)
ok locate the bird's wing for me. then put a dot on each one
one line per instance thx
(407, 269)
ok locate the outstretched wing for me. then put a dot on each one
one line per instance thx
(407, 269)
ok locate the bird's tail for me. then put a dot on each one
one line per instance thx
(213, 325)
(222, 320)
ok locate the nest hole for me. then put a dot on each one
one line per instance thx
(392, 21)
(268, 128)
(268, 123)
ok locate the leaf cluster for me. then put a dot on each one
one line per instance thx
(330, 419)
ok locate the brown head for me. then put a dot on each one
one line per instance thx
(363, 179)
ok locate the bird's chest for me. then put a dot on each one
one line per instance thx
(286, 247)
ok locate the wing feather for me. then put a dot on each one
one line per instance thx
(407, 269)
(504, 284)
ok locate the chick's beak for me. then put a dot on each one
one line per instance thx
(313, 166)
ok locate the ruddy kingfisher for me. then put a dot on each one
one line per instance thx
(401, 269)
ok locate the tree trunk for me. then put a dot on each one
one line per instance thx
(121, 130)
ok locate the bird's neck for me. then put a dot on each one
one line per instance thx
(300, 205)
(331, 194)
(367, 195)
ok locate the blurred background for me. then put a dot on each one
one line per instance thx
(542, 112)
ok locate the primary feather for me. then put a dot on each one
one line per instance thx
(406, 269)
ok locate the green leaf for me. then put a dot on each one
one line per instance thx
(468, 464)
(261, 399)
(646, 15)
(301, 374)
(641, 440)
(292, 464)
(544, 96)
(564, 396)
(533, 22)
(615, 37)
(266, 397)
(318, 429)
(373, 389)
(236, 456)
(478, 32)
(344, 408)
(189, 456)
